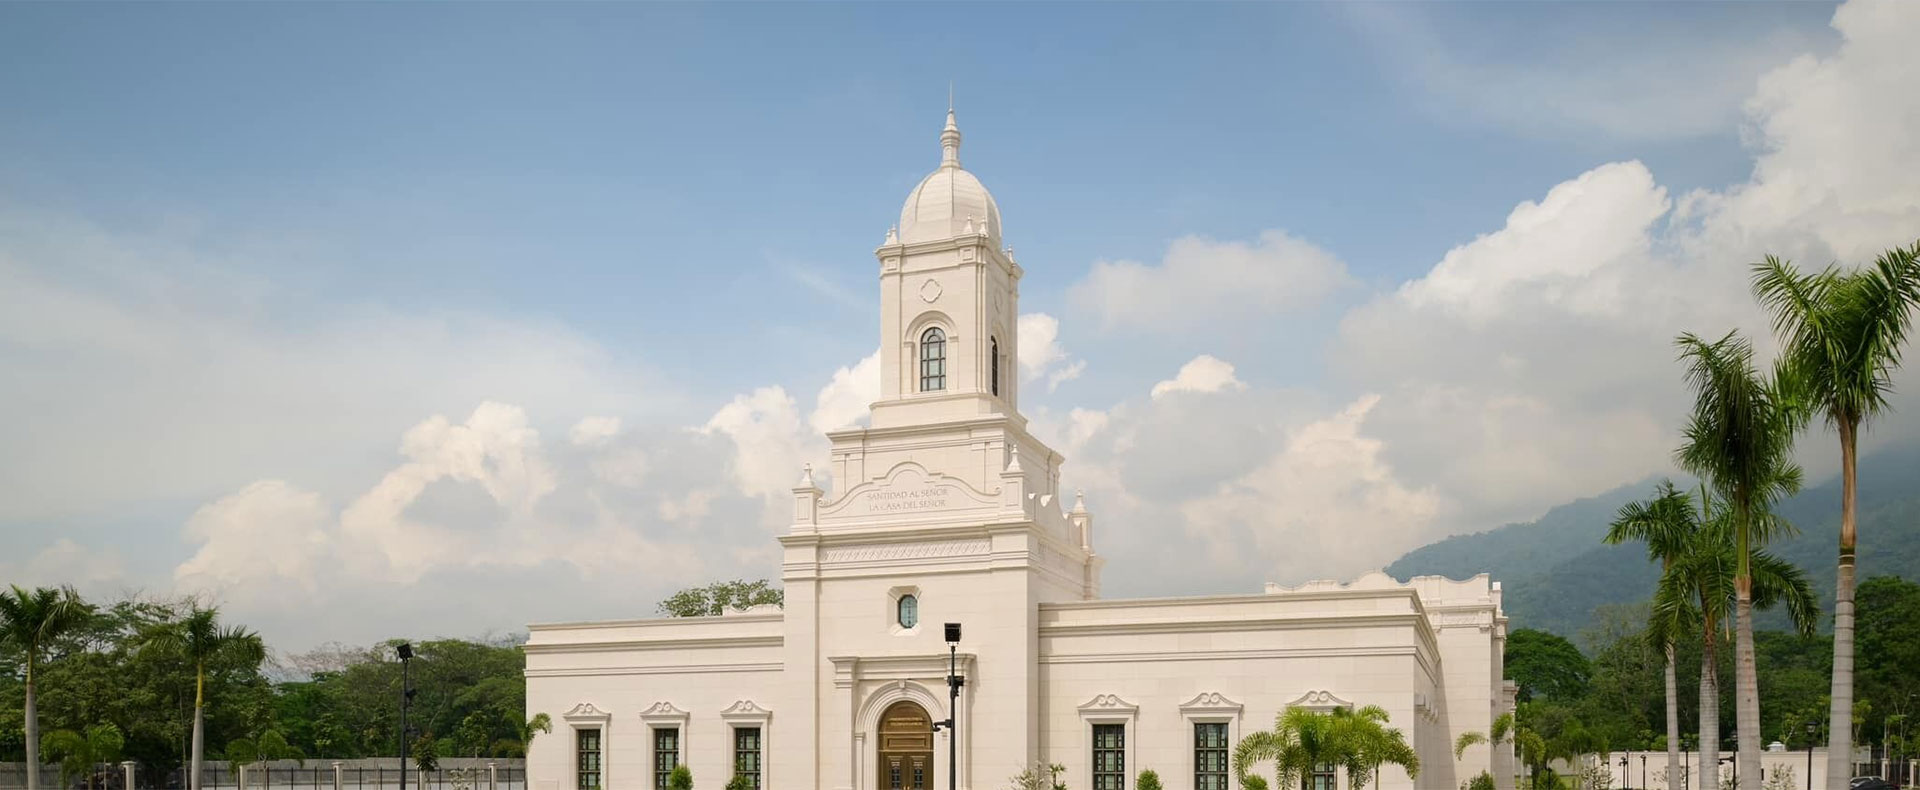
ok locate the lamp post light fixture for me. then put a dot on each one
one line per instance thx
(406, 699)
(954, 682)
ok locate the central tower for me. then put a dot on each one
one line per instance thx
(943, 506)
(949, 302)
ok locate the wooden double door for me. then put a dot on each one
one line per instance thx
(906, 747)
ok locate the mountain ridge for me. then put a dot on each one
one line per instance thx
(1555, 571)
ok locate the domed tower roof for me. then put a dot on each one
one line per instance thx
(948, 199)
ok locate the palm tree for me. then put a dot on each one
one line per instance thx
(1841, 334)
(1300, 741)
(1665, 523)
(1371, 743)
(30, 620)
(199, 639)
(1696, 594)
(523, 733)
(80, 753)
(1739, 439)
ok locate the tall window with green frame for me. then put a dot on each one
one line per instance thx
(587, 756)
(746, 755)
(1109, 757)
(666, 755)
(1210, 755)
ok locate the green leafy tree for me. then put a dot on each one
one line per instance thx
(1148, 780)
(1546, 666)
(1890, 647)
(29, 621)
(681, 778)
(199, 639)
(1666, 523)
(78, 753)
(719, 597)
(1841, 334)
(426, 752)
(1739, 438)
(270, 746)
(739, 782)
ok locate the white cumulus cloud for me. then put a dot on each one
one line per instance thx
(1202, 280)
(1204, 373)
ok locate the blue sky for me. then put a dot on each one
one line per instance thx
(647, 211)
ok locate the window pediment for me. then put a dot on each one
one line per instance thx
(746, 711)
(1319, 700)
(1109, 703)
(586, 713)
(664, 712)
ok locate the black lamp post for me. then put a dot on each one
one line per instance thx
(1624, 779)
(406, 699)
(1643, 772)
(954, 682)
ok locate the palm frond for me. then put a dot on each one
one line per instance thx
(1466, 741)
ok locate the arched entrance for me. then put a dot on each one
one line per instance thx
(906, 747)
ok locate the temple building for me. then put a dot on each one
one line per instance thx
(944, 509)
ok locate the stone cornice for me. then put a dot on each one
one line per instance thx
(657, 644)
(661, 622)
(687, 669)
(1187, 600)
(1220, 624)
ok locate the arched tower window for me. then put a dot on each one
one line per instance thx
(933, 360)
(995, 364)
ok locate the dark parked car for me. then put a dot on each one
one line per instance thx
(1870, 783)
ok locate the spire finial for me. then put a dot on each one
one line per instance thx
(950, 136)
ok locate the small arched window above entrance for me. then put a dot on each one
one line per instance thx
(908, 614)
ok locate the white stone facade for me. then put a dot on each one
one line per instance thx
(946, 498)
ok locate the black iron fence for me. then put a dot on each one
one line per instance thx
(283, 775)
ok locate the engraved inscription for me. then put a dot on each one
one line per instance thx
(910, 499)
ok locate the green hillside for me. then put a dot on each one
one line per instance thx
(1555, 570)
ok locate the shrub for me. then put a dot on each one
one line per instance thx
(1039, 776)
(1148, 781)
(739, 782)
(1482, 782)
(680, 779)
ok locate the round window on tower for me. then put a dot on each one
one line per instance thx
(909, 611)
